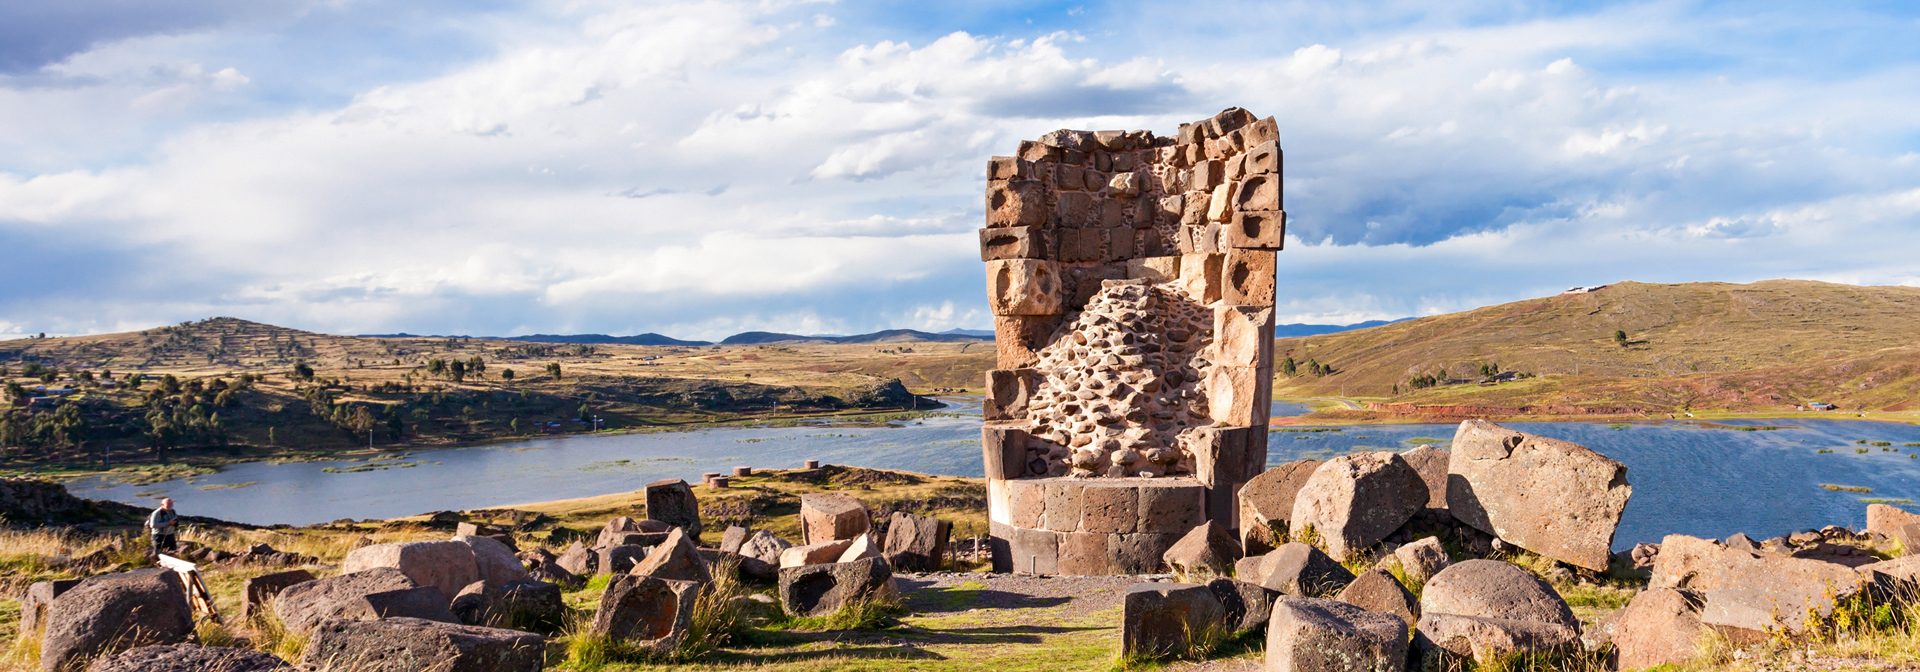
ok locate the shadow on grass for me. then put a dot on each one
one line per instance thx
(921, 599)
(786, 646)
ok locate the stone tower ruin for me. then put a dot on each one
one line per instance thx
(1132, 285)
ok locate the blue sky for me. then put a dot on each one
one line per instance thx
(704, 168)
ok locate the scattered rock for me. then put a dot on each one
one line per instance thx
(1661, 626)
(1158, 618)
(1207, 550)
(832, 516)
(1741, 542)
(579, 560)
(821, 589)
(619, 559)
(260, 590)
(760, 556)
(1244, 606)
(33, 607)
(424, 602)
(619, 525)
(814, 554)
(1886, 519)
(188, 658)
(1354, 501)
(1266, 505)
(671, 501)
(412, 644)
(110, 613)
(1485, 640)
(496, 562)
(1643, 556)
(648, 612)
(1377, 590)
(917, 542)
(447, 565)
(734, 538)
(1746, 590)
(302, 606)
(1555, 498)
(475, 605)
(1422, 559)
(677, 559)
(1295, 569)
(1494, 589)
(1314, 635)
(1431, 463)
(862, 548)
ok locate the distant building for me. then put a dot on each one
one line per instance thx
(1821, 407)
(1583, 290)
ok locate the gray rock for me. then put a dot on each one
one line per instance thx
(1431, 463)
(1422, 559)
(1740, 541)
(1314, 635)
(615, 527)
(412, 644)
(447, 565)
(476, 605)
(1244, 606)
(1746, 590)
(260, 590)
(579, 560)
(33, 606)
(1554, 498)
(647, 612)
(301, 607)
(1295, 569)
(1377, 590)
(1442, 637)
(671, 501)
(819, 590)
(1494, 589)
(1661, 626)
(619, 559)
(424, 602)
(1158, 618)
(1354, 501)
(1207, 550)
(760, 556)
(735, 537)
(109, 613)
(188, 658)
(832, 516)
(1266, 505)
(497, 564)
(917, 542)
(676, 559)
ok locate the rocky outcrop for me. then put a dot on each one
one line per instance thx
(1753, 591)
(1158, 619)
(411, 645)
(1266, 505)
(110, 613)
(189, 658)
(1354, 501)
(1314, 635)
(1554, 498)
(447, 565)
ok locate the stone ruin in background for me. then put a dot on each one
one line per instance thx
(1132, 282)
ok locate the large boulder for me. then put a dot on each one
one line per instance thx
(412, 644)
(259, 591)
(1244, 606)
(1440, 637)
(425, 602)
(579, 560)
(760, 556)
(1314, 635)
(832, 516)
(1753, 591)
(1266, 505)
(1377, 590)
(671, 501)
(619, 559)
(302, 606)
(819, 590)
(1887, 519)
(33, 606)
(1494, 589)
(1661, 626)
(1159, 619)
(1354, 501)
(1295, 569)
(110, 613)
(917, 542)
(1900, 575)
(825, 552)
(447, 565)
(1552, 497)
(676, 559)
(497, 564)
(189, 658)
(1207, 549)
(615, 528)
(645, 611)
(860, 549)
(1422, 559)
(1431, 463)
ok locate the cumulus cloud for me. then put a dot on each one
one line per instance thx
(697, 168)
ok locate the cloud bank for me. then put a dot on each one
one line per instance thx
(703, 168)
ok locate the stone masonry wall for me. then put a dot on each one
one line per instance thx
(1132, 283)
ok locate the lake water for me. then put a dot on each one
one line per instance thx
(1687, 478)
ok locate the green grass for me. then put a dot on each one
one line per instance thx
(1847, 488)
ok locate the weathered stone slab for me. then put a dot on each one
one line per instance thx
(917, 542)
(189, 658)
(1024, 287)
(1422, 559)
(1158, 618)
(1354, 501)
(1314, 635)
(671, 501)
(1295, 569)
(645, 611)
(819, 590)
(676, 559)
(1751, 590)
(1661, 626)
(1494, 589)
(447, 565)
(1207, 550)
(1266, 505)
(303, 606)
(1555, 498)
(1376, 590)
(832, 516)
(1486, 640)
(1431, 463)
(110, 613)
(411, 644)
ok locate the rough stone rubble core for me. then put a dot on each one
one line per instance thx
(1132, 283)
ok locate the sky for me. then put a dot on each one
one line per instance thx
(697, 169)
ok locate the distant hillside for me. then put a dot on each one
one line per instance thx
(603, 339)
(888, 336)
(1291, 330)
(1768, 344)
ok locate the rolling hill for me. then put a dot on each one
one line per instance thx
(1768, 345)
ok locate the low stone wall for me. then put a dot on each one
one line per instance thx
(1096, 526)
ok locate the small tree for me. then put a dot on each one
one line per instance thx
(506, 375)
(585, 413)
(553, 369)
(1288, 367)
(1620, 338)
(457, 371)
(302, 372)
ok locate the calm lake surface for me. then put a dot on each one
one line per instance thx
(1687, 478)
